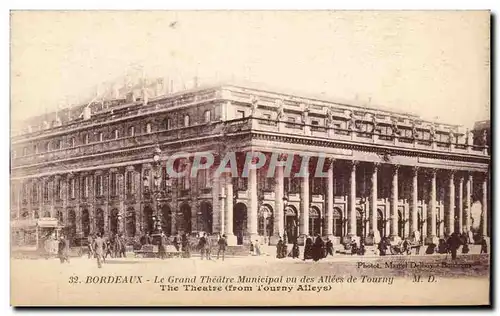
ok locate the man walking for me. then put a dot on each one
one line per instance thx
(63, 250)
(201, 245)
(208, 247)
(99, 249)
(222, 246)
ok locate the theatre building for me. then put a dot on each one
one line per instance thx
(101, 167)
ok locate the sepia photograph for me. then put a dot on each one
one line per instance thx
(250, 158)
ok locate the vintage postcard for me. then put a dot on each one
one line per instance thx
(250, 158)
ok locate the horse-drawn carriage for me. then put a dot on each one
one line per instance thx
(404, 247)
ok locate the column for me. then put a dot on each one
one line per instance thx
(414, 201)
(231, 238)
(431, 212)
(329, 200)
(468, 196)
(278, 201)
(450, 225)
(252, 194)
(304, 205)
(394, 204)
(218, 209)
(351, 228)
(374, 201)
(229, 206)
(484, 227)
(460, 204)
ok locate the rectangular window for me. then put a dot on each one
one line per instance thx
(113, 184)
(98, 185)
(290, 122)
(46, 191)
(316, 185)
(58, 194)
(85, 187)
(72, 183)
(241, 183)
(129, 182)
(338, 183)
(208, 116)
(34, 192)
(24, 191)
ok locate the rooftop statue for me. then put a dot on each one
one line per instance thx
(255, 105)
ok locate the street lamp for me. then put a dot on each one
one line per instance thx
(285, 204)
(158, 192)
(266, 214)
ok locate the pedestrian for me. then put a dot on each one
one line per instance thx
(90, 246)
(99, 249)
(361, 250)
(453, 245)
(63, 250)
(108, 248)
(354, 247)
(329, 247)
(484, 246)
(257, 248)
(317, 248)
(279, 249)
(295, 250)
(222, 246)
(162, 253)
(186, 251)
(208, 247)
(382, 247)
(121, 246)
(308, 248)
(201, 245)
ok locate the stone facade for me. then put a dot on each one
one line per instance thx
(385, 173)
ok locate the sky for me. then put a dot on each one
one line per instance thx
(434, 64)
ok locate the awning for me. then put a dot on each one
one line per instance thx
(47, 222)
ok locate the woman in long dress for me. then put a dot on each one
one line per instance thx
(279, 249)
(318, 248)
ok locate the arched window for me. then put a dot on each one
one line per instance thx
(57, 144)
(72, 142)
(131, 131)
(86, 139)
(167, 123)
(148, 128)
(47, 146)
(116, 134)
(100, 136)
(208, 116)
(25, 151)
(35, 149)
(265, 221)
(186, 120)
(314, 221)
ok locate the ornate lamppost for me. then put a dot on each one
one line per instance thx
(266, 214)
(158, 192)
